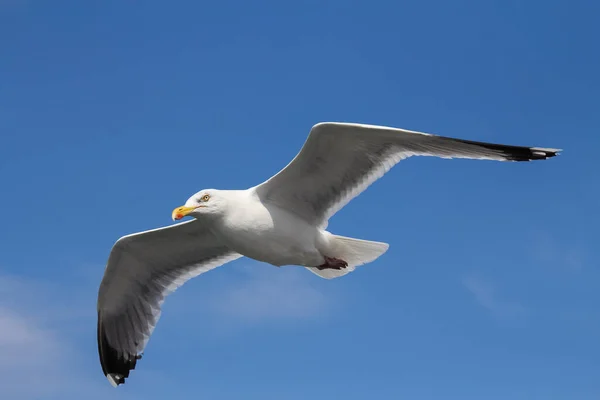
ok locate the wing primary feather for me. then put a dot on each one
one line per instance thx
(515, 153)
(115, 365)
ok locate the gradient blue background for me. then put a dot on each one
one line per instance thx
(112, 113)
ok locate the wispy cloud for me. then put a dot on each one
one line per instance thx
(486, 295)
(568, 255)
(38, 328)
(29, 352)
(266, 293)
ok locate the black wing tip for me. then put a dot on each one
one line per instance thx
(115, 365)
(533, 153)
(518, 153)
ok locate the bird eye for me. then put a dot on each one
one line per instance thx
(205, 197)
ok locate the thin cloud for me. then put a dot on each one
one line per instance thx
(29, 353)
(266, 293)
(486, 296)
(38, 328)
(564, 254)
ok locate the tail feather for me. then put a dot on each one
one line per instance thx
(355, 252)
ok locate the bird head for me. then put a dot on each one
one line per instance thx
(205, 202)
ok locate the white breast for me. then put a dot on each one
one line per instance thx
(269, 234)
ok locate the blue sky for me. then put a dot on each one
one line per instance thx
(113, 113)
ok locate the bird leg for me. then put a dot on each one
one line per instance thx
(332, 263)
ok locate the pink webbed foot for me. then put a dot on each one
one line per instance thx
(332, 263)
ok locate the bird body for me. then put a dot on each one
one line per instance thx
(265, 232)
(281, 221)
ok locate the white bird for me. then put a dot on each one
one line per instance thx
(282, 221)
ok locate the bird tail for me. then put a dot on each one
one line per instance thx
(355, 252)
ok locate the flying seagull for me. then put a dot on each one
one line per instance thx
(281, 221)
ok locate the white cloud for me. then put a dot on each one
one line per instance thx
(39, 358)
(20, 336)
(485, 294)
(28, 355)
(567, 255)
(267, 293)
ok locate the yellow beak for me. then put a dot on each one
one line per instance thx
(181, 212)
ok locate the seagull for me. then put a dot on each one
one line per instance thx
(281, 221)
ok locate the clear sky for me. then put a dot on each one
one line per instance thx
(112, 113)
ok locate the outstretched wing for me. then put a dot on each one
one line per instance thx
(340, 160)
(143, 268)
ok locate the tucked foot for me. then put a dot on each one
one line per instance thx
(333, 263)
